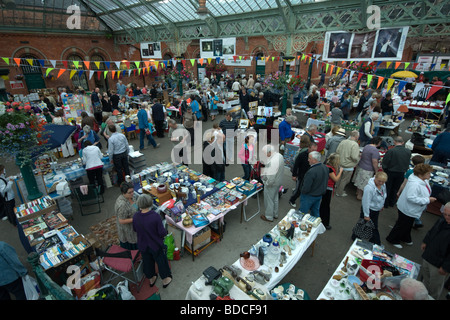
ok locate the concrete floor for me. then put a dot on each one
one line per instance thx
(311, 273)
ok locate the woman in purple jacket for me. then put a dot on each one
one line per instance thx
(150, 232)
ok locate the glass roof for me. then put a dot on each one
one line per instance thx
(118, 15)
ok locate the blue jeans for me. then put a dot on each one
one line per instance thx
(312, 203)
(247, 168)
(142, 135)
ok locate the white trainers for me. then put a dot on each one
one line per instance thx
(341, 195)
(398, 246)
(409, 243)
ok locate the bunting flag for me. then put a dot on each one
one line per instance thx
(331, 68)
(407, 65)
(118, 64)
(442, 66)
(193, 62)
(75, 62)
(61, 71)
(415, 66)
(90, 74)
(359, 76)
(240, 57)
(209, 60)
(30, 61)
(432, 91)
(147, 64)
(380, 80)
(174, 62)
(72, 72)
(87, 64)
(343, 73)
(397, 64)
(218, 60)
(48, 71)
(401, 85)
(53, 62)
(390, 83)
(156, 65)
(17, 61)
(6, 60)
(66, 64)
(80, 73)
(432, 66)
(127, 63)
(326, 68)
(107, 64)
(42, 62)
(448, 99)
(184, 63)
(388, 64)
(369, 80)
(113, 73)
(200, 61)
(105, 73)
(379, 62)
(138, 63)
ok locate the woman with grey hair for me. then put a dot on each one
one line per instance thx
(150, 231)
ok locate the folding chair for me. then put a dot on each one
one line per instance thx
(122, 263)
(88, 200)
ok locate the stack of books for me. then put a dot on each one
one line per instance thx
(32, 207)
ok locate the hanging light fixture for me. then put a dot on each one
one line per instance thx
(202, 11)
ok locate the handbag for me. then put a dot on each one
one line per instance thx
(363, 229)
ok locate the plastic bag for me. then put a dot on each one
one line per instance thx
(31, 287)
(170, 244)
(122, 289)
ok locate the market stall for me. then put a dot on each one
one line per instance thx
(257, 271)
(191, 201)
(43, 230)
(368, 272)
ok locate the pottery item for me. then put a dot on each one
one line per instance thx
(162, 188)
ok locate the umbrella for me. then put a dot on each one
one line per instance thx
(404, 74)
(57, 134)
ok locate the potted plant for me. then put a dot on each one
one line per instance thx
(22, 137)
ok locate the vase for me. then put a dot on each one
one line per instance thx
(30, 180)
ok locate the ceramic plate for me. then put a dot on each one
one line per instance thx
(250, 264)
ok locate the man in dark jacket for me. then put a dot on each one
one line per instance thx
(301, 165)
(395, 164)
(387, 106)
(436, 255)
(314, 185)
(158, 116)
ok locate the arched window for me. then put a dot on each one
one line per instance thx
(101, 83)
(32, 73)
(79, 79)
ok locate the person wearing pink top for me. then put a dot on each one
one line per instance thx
(246, 155)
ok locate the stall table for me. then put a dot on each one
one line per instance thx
(344, 289)
(297, 252)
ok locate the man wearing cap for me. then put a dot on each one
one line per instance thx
(333, 143)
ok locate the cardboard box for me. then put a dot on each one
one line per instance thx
(202, 238)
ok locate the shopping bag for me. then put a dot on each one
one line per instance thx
(169, 241)
(124, 292)
(363, 229)
(31, 287)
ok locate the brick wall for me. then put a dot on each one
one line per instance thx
(60, 47)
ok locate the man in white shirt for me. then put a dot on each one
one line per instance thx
(118, 153)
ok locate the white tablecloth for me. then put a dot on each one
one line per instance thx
(276, 277)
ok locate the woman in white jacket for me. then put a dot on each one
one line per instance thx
(412, 202)
(92, 159)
